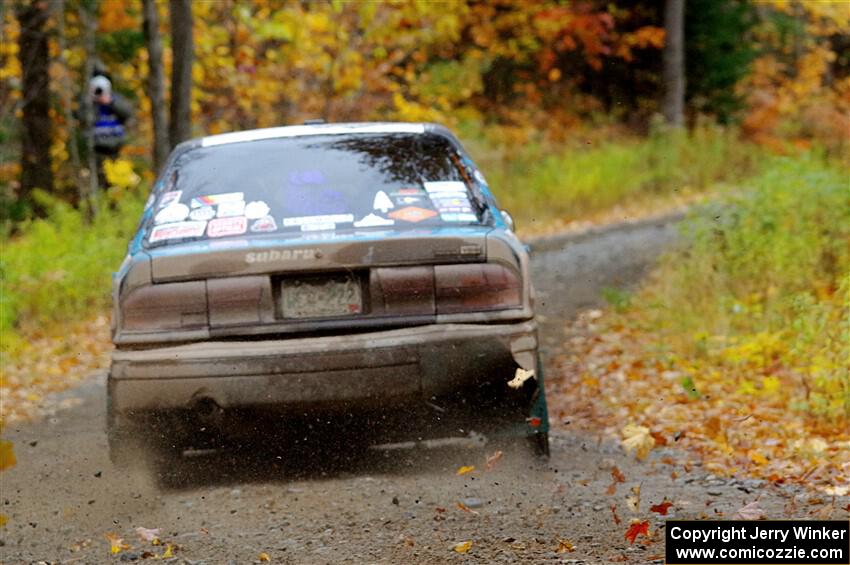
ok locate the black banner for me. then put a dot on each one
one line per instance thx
(740, 542)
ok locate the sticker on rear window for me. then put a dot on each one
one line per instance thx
(229, 209)
(444, 186)
(213, 199)
(264, 224)
(318, 220)
(202, 213)
(177, 231)
(412, 214)
(221, 227)
(459, 217)
(382, 202)
(169, 198)
(256, 209)
(373, 220)
(173, 213)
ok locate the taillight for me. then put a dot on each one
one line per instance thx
(402, 291)
(171, 306)
(476, 287)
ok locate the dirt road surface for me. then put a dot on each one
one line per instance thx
(375, 506)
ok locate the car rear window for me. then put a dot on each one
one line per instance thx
(321, 183)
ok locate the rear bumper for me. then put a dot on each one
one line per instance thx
(366, 369)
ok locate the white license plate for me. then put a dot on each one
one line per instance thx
(321, 297)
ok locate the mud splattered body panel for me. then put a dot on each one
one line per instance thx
(393, 289)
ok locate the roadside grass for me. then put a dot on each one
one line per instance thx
(737, 347)
(541, 183)
(57, 270)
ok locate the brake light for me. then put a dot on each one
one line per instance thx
(476, 287)
(171, 306)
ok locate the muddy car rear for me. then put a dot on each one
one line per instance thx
(352, 271)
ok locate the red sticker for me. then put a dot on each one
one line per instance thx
(412, 214)
(221, 227)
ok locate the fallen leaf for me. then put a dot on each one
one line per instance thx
(661, 508)
(633, 500)
(264, 557)
(616, 477)
(151, 535)
(116, 544)
(614, 513)
(466, 508)
(493, 459)
(465, 469)
(637, 439)
(750, 511)
(169, 551)
(462, 546)
(659, 438)
(637, 528)
(565, 546)
(520, 377)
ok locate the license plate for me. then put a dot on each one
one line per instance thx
(321, 297)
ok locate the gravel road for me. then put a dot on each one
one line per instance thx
(377, 506)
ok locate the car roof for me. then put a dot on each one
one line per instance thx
(316, 129)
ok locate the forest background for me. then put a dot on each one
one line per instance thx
(588, 110)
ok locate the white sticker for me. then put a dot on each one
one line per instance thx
(373, 220)
(230, 209)
(221, 227)
(445, 186)
(459, 217)
(318, 220)
(169, 198)
(479, 176)
(177, 231)
(213, 199)
(382, 202)
(173, 213)
(256, 209)
(202, 213)
(264, 224)
(318, 227)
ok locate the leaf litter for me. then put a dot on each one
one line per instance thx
(613, 373)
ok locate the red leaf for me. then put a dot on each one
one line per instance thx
(637, 529)
(661, 508)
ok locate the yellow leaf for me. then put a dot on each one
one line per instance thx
(638, 439)
(466, 469)
(7, 455)
(462, 547)
(565, 546)
(168, 551)
(116, 544)
(264, 557)
(757, 457)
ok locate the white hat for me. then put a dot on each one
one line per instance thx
(102, 83)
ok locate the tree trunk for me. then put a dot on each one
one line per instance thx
(674, 62)
(156, 84)
(180, 127)
(36, 171)
(87, 12)
(58, 8)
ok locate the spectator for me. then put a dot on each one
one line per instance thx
(111, 114)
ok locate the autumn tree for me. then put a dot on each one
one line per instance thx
(182, 44)
(36, 171)
(674, 62)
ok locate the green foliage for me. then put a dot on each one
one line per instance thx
(717, 54)
(538, 183)
(765, 279)
(59, 267)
